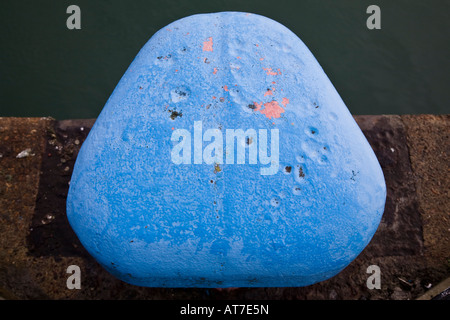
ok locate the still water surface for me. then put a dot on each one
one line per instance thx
(48, 70)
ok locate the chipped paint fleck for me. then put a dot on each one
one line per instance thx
(271, 109)
(215, 71)
(225, 87)
(257, 106)
(268, 92)
(270, 72)
(208, 45)
(284, 102)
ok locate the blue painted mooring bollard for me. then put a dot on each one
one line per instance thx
(225, 158)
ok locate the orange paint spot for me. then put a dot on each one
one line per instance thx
(273, 82)
(176, 70)
(270, 72)
(208, 45)
(268, 93)
(284, 102)
(261, 59)
(272, 110)
(279, 72)
(173, 128)
(256, 44)
(215, 71)
(222, 99)
(225, 88)
(238, 57)
(214, 97)
(257, 105)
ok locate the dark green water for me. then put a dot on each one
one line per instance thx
(49, 70)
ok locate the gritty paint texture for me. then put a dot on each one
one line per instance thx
(153, 223)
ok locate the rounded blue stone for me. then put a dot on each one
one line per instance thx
(225, 158)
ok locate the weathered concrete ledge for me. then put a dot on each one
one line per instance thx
(37, 244)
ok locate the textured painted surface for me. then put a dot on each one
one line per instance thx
(151, 222)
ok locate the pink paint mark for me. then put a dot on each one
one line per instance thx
(273, 82)
(268, 93)
(214, 98)
(225, 88)
(261, 59)
(272, 110)
(208, 45)
(238, 57)
(257, 106)
(256, 44)
(270, 72)
(215, 71)
(284, 102)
